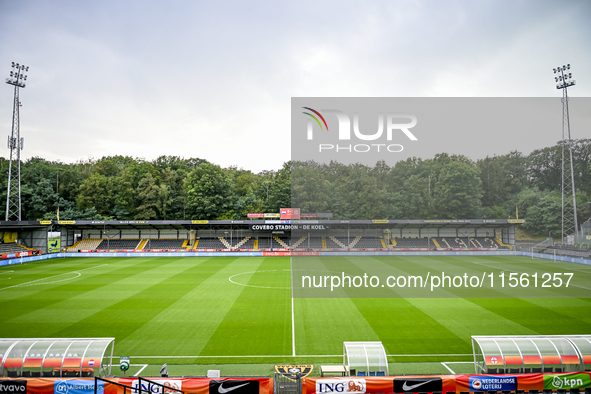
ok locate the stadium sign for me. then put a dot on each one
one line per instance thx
(293, 370)
(415, 385)
(162, 386)
(53, 244)
(357, 386)
(567, 381)
(496, 383)
(77, 386)
(288, 227)
(13, 386)
(234, 386)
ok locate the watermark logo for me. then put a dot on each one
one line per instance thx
(390, 127)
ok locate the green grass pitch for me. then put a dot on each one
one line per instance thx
(186, 310)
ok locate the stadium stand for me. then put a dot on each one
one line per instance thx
(315, 243)
(367, 242)
(412, 242)
(210, 243)
(570, 251)
(12, 247)
(334, 243)
(276, 242)
(225, 243)
(119, 244)
(167, 243)
(264, 243)
(280, 243)
(245, 243)
(85, 244)
(298, 243)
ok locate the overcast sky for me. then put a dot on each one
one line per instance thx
(214, 79)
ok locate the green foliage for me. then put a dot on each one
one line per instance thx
(208, 191)
(443, 187)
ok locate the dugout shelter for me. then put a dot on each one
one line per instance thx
(365, 358)
(56, 357)
(532, 353)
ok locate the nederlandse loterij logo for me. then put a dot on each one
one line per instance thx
(392, 125)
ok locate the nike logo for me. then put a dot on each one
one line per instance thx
(222, 390)
(408, 388)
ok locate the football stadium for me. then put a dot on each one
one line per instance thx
(340, 197)
(284, 300)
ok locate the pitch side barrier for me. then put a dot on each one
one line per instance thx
(21, 260)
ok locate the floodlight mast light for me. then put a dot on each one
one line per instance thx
(570, 229)
(18, 77)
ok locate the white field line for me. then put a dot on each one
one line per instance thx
(6, 272)
(293, 347)
(255, 272)
(522, 272)
(311, 355)
(33, 282)
(448, 368)
(141, 369)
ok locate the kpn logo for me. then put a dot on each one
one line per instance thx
(567, 381)
(349, 137)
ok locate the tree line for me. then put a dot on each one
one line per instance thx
(173, 188)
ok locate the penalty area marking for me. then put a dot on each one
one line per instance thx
(35, 282)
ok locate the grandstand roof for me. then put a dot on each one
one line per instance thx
(241, 224)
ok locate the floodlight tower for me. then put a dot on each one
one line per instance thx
(569, 206)
(15, 144)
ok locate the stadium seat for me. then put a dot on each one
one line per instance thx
(514, 370)
(536, 370)
(492, 371)
(361, 373)
(381, 373)
(47, 374)
(548, 369)
(372, 373)
(12, 374)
